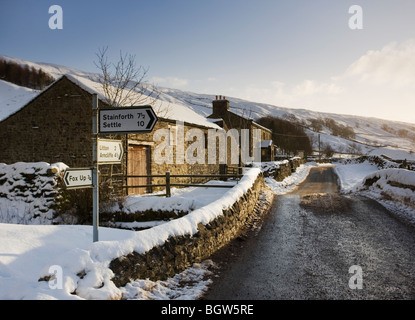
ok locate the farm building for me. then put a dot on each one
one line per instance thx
(56, 126)
(227, 120)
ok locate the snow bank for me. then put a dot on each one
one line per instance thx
(27, 192)
(401, 176)
(393, 188)
(351, 175)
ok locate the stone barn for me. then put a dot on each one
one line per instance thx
(56, 126)
(227, 120)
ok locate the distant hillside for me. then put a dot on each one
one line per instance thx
(23, 75)
(345, 134)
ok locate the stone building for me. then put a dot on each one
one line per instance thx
(230, 120)
(56, 126)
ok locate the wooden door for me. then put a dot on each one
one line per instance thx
(138, 164)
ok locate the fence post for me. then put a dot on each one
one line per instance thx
(168, 192)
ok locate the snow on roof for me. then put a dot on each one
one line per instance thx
(171, 111)
(13, 97)
(17, 98)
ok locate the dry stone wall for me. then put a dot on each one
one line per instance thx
(178, 253)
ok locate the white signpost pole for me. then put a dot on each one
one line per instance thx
(95, 171)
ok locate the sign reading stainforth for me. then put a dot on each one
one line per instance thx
(127, 120)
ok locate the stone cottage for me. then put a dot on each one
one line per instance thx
(227, 120)
(56, 126)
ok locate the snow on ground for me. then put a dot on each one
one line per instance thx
(352, 175)
(27, 249)
(185, 199)
(394, 188)
(394, 153)
(28, 252)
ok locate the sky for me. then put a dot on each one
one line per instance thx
(294, 54)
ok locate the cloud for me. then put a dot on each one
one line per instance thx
(394, 64)
(380, 83)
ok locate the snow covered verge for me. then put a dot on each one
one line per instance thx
(392, 187)
(28, 191)
(395, 189)
(75, 268)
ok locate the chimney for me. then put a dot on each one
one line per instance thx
(220, 107)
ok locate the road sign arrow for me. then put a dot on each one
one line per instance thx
(110, 151)
(127, 120)
(152, 117)
(122, 151)
(78, 178)
(65, 177)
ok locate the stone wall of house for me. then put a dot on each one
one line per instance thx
(174, 164)
(54, 127)
(178, 253)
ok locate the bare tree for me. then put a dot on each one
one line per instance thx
(123, 83)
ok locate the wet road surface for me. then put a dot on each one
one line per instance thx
(302, 252)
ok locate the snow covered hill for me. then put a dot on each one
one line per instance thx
(372, 136)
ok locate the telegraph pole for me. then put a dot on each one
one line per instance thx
(319, 147)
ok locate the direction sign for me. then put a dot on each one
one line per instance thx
(127, 120)
(78, 178)
(110, 151)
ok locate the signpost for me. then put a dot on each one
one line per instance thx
(78, 178)
(127, 120)
(110, 151)
(104, 151)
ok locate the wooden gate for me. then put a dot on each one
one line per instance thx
(138, 164)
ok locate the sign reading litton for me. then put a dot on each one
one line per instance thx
(110, 151)
(127, 120)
